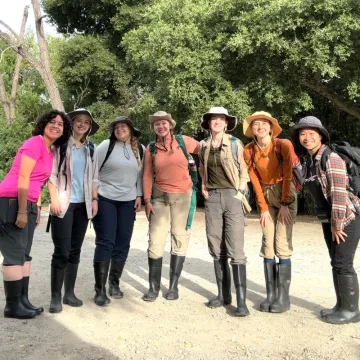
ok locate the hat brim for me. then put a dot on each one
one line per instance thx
(294, 132)
(135, 131)
(94, 125)
(276, 129)
(153, 118)
(231, 121)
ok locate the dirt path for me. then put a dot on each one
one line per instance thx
(185, 329)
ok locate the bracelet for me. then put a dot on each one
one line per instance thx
(283, 203)
(95, 198)
(39, 207)
(147, 202)
(22, 212)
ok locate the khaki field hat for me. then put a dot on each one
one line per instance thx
(94, 125)
(124, 119)
(218, 110)
(161, 115)
(261, 115)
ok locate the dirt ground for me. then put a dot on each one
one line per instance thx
(130, 328)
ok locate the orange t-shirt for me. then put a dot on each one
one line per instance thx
(267, 169)
(171, 169)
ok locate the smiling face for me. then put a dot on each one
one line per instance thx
(161, 127)
(54, 129)
(310, 139)
(81, 125)
(261, 128)
(217, 123)
(122, 131)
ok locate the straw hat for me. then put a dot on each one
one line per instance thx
(161, 115)
(218, 110)
(261, 115)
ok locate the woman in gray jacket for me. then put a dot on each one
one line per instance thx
(73, 187)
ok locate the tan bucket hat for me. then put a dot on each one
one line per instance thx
(258, 115)
(219, 110)
(161, 115)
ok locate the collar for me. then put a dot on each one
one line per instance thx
(320, 152)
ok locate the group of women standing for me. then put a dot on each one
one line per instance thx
(107, 184)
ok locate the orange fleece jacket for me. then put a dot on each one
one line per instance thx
(268, 172)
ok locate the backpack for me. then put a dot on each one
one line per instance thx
(192, 172)
(111, 148)
(351, 156)
(298, 177)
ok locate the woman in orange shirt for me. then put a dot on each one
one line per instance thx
(269, 162)
(167, 196)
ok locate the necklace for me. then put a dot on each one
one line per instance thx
(262, 150)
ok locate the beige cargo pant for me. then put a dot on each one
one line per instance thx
(171, 214)
(277, 237)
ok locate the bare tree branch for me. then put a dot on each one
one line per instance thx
(4, 100)
(15, 80)
(337, 100)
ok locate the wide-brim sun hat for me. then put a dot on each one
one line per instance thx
(309, 122)
(82, 111)
(161, 115)
(219, 110)
(261, 115)
(126, 120)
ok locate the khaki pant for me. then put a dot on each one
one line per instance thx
(225, 226)
(171, 214)
(277, 238)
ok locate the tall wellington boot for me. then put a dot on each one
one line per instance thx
(101, 270)
(155, 266)
(176, 266)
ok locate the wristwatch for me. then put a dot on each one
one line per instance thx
(283, 203)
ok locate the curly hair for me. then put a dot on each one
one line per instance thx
(44, 119)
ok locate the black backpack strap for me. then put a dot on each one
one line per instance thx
(324, 158)
(141, 150)
(109, 151)
(62, 152)
(92, 150)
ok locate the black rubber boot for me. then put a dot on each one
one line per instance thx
(69, 285)
(101, 270)
(239, 273)
(349, 294)
(14, 307)
(337, 306)
(116, 270)
(57, 280)
(25, 297)
(270, 280)
(223, 281)
(176, 266)
(282, 302)
(155, 266)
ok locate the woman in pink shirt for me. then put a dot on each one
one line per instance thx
(167, 196)
(20, 205)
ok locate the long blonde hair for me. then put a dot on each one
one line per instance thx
(135, 148)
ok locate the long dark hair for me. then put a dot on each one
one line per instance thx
(44, 119)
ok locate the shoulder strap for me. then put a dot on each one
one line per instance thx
(234, 150)
(278, 143)
(141, 150)
(181, 143)
(324, 158)
(108, 153)
(92, 150)
(62, 152)
(152, 147)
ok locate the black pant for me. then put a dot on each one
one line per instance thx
(113, 226)
(68, 235)
(342, 255)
